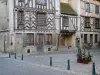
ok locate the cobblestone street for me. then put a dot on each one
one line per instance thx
(33, 63)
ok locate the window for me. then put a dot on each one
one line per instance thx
(87, 7)
(96, 38)
(41, 2)
(85, 38)
(97, 23)
(97, 9)
(87, 22)
(41, 19)
(65, 21)
(49, 39)
(20, 17)
(30, 39)
(21, 0)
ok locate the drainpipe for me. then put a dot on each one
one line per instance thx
(4, 43)
(58, 41)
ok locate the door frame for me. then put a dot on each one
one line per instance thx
(40, 37)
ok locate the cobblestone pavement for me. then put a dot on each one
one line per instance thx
(60, 62)
(18, 67)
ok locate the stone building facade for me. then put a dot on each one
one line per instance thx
(33, 25)
(88, 24)
(46, 25)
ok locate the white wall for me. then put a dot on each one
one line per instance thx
(3, 16)
(3, 26)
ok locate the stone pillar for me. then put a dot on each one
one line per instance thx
(11, 24)
(35, 39)
(73, 40)
(88, 38)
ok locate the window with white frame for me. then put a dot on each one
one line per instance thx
(87, 7)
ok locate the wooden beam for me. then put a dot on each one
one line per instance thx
(27, 3)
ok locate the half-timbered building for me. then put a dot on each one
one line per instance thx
(46, 25)
(90, 22)
(68, 26)
(33, 24)
(88, 30)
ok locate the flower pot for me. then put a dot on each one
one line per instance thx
(90, 59)
(79, 61)
(85, 61)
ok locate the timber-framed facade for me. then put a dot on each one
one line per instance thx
(34, 26)
(90, 22)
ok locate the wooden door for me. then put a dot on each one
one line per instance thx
(40, 39)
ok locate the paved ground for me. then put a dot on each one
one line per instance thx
(36, 64)
(15, 67)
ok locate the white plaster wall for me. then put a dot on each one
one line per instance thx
(11, 14)
(3, 26)
(73, 40)
(11, 23)
(57, 18)
(3, 16)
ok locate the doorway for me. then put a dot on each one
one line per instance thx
(40, 42)
(91, 39)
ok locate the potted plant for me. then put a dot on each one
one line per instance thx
(90, 58)
(79, 58)
(86, 59)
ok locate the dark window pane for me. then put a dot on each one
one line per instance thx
(96, 38)
(41, 19)
(21, 0)
(97, 23)
(97, 9)
(87, 22)
(49, 39)
(20, 18)
(85, 38)
(65, 21)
